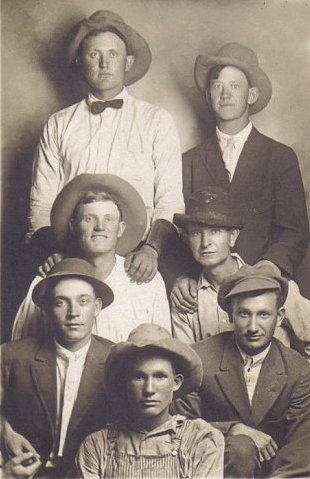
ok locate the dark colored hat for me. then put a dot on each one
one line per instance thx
(236, 55)
(249, 279)
(150, 337)
(109, 21)
(212, 207)
(125, 196)
(73, 268)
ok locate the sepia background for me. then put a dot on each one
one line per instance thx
(35, 83)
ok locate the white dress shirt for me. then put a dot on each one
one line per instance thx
(232, 145)
(251, 369)
(138, 142)
(69, 369)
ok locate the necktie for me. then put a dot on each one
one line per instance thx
(228, 155)
(97, 107)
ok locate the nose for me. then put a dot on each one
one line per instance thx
(205, 239)
(253, 325)
(149, 387)
(103, 60)
(100, 224)
(73, 310)
(225, 92)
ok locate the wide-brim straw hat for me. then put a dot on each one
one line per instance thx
(123, 194)
(252, 279)
(236, 55)
(150, 337)
(72, 268)
(104, 20)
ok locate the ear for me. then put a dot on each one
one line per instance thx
(280, 316)
(129, 62)
(253, 95)
(177, 382)
(98, 306)
(121, 229)
(234, 233)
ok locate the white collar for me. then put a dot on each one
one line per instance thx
(257, 358)
(123, 95)
(67, 355)
(240, 136)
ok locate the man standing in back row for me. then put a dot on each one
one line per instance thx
(258, 171)
(112, 132)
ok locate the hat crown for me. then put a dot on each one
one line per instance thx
(239, 52)
(72, 266)
(148, 334)
(104, 16)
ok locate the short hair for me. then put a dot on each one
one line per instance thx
(252, 294)
(214, 73)
(98, 31)
(93, 197)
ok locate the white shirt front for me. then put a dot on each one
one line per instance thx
(238, 143)
(138, 142)
(251, 372)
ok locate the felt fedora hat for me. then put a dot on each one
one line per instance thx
(152, 338)
(72, 268)
(249, 279)
(104, 20)
(123, 194)
(236, 55)
(212, 206)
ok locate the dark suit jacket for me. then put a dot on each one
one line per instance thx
(281, 401)
(29, 395)
(268, 181)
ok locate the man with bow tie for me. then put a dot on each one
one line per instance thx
(110, 131)
(255, 389)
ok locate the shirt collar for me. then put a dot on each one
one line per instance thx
(67, 355)
(257, 358)
(241, 136)
(203, 283)
(123, 95)
(169, 426)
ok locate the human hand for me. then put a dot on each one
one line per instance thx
(47, 265)
(141, 266)
(25, 464)
(15, 443)
(267, 447)
(184, 295)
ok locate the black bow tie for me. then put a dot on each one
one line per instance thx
(97, 107)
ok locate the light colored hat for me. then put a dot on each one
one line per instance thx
(105, 20)
(251, 279)
(236, 55)
(150, 337)
(73, 268)
(125, 196)
(212, 207)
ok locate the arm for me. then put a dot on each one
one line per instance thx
(91, 457)
(184, 295)
(290, 226)
(181, 326)
(45, 178)
(160, 311)
(208, 452)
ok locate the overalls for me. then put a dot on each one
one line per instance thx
(122, 465)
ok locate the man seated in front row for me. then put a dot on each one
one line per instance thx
(52, 389)
(141, 377)
(256, 390)
(212, 224)
(101, 218)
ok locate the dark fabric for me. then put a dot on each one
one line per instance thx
(268, 181)
(97, 107)
(281, 402)
(240, 457)
(29, 395)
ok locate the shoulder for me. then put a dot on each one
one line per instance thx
(100, 346)
(195, 152)
(277, 149)
(149, 111)
(21, 349)
(294, 362)
(198, 430)
(213, 347)
(65, 113)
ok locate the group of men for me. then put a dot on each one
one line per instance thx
(107, 200)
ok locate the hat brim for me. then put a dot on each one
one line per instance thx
(182, 220)
(121, 353)
(255, 74)
(102, 290)
(123, 193)
(137, 46)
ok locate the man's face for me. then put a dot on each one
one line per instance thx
(210, 245)
(72, 307)
(104, 61)
(255, 319)
(150, 387)
(231, 95)
(97, 228)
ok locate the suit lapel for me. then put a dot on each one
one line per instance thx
(231, 380)
(213, 162)
(271, 382)
(91, 384)
(43, 371)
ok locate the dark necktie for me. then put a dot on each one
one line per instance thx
(97, 107)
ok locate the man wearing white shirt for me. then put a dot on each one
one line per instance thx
(124, 136)
(101, 217)
(254, 389)
(53, 394)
